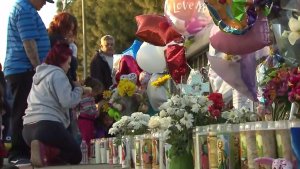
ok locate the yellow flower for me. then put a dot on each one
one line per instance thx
(161, 80)
(105, 107)
(126, 87)
(107, 94)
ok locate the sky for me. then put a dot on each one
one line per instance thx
(46, 13)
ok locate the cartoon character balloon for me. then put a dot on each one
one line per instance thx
(187, 16)
(234, 17)
(127, 65)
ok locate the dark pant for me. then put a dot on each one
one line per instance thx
(20, 85)
(54, 134)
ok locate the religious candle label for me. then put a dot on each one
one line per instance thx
(203, 151)
(283, 140)
(146, 153)
(251, 149)
(223, 151)
(243, 149)
(137, 145)
(212, 150)
(234, 146)
(155, 153)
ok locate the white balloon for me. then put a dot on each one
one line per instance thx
(151, 58)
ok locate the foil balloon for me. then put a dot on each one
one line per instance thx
(188, 17)
(151, 58)
(233, 16)
(255, 39)
(238, 74)
(155, 29)
(156, 95)
(176, 62)
(133, 49)
(127, 65)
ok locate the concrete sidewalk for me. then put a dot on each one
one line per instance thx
(91, 166)
(80, 166)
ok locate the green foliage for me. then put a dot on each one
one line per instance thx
(114, 17)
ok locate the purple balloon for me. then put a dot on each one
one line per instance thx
(238, 74)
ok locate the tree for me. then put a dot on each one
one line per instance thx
(114, 17)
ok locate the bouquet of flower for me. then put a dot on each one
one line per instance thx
(126, 87)
(217, 106)
(136, 124)
(104, 104)
(124, 99)
(177, 118)
(275, 92)
(237, 116)
(294, 84)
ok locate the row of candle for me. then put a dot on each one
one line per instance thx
(219, 146)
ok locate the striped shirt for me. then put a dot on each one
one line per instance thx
(24, 24)
(86, 106)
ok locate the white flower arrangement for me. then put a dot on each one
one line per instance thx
(159, 123)
(135, 124)
(177, 116)
(239, 115)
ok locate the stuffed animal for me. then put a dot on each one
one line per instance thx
(279, 163)
(293, 35)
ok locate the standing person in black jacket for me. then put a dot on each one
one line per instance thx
(102, 62)
(101, 69)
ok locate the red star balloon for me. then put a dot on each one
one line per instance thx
(155, 29)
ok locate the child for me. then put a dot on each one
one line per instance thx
(86, 110)
(103, 124)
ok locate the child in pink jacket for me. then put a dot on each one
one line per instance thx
(86, 110)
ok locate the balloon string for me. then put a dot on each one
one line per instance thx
(189, 66)
(180, 91)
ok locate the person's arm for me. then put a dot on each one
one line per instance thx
(32, 52)
(62, 88)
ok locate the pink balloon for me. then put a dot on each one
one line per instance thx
(255, 39)
(187, 16)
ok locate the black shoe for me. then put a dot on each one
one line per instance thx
(21, 162)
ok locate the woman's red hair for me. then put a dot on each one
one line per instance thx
(59, 54)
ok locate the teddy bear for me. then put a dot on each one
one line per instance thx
(294, 34)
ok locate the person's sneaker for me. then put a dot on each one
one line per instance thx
(42, 154)
(21, 162)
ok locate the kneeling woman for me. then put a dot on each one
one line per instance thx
(47, 117)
